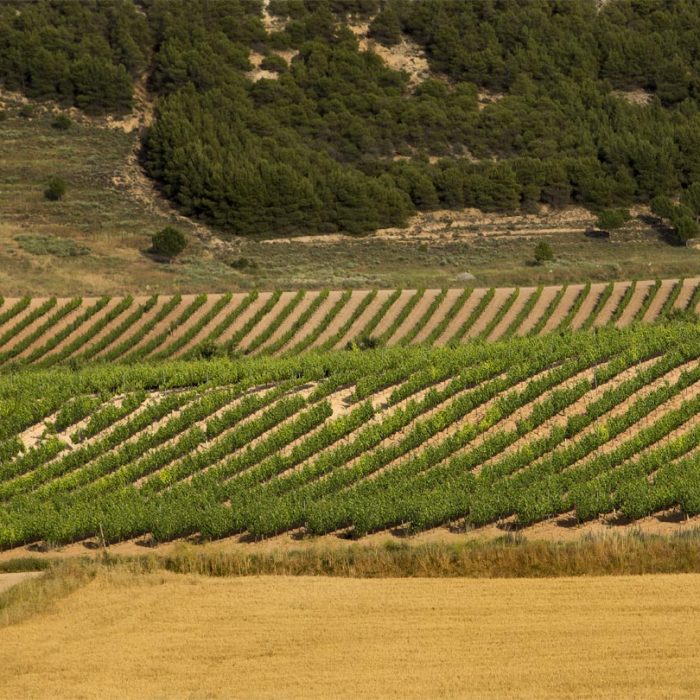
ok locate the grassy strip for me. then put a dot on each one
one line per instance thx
(480, 307)
(325, 321)
(602, 300)
(70, 328)
(420, 324)
(523, 314)
(41, 330)
(401, 316)
(195, 329)
(242, 332)
(146, 328)
(498, 316)
(578, 302)
(334, 339)
(276, 322)
(298, 324)
(542, 322)
(90, 333)
(510, 556)
(460, 301)
(27, 320)
(39, 594)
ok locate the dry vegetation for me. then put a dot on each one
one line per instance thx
(111, 209)
(316, 637)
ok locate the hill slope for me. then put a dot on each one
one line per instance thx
(513, 432)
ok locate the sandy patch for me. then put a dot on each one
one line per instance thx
(7, 581)
(289, 322)
(364, 318)
(568, 299)
(266, 320)
(665, 290)
(313, 322)
(516, 307)
(606, 313)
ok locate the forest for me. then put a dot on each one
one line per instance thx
(339, 141)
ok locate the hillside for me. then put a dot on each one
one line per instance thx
(512, 433)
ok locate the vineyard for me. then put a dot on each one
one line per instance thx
(516, 431)
(50, 331)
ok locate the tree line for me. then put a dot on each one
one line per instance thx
(341, 142)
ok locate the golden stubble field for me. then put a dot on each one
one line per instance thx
(167, 635)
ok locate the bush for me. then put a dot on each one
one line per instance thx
(611, 219)
(243, 264)
(26, 111)
(543, 252)
(274, 63)
(169, 242)
(56, 189)
(62, 122)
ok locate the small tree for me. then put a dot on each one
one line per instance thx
(56, 189)
(611, 219)
(62, 122)
(543, 252)
(169, 242)
(687, 228)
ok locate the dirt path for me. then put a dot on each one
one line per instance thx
(500, 297)
(567, 300)
(659, 300)
(393, 311)
(586, 309)
(546, 298)
(342, 317)
(266, 320)
(7, 581)
(460, 317)
(415, 316)
(512, 313)
(606, 313)
(364, 318)
(635, 303)
(314, 321)
(288, 322)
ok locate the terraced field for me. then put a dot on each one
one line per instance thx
(49, 331)
(516, 431)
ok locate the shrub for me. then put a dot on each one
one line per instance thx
(611, 219)
(274, 63)
(169, 242)
(543, 252)
(26, 111)
(62, 122)
(56, 189)
(243, 264)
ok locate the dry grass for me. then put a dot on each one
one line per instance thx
(160, 635)
(111, 210)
